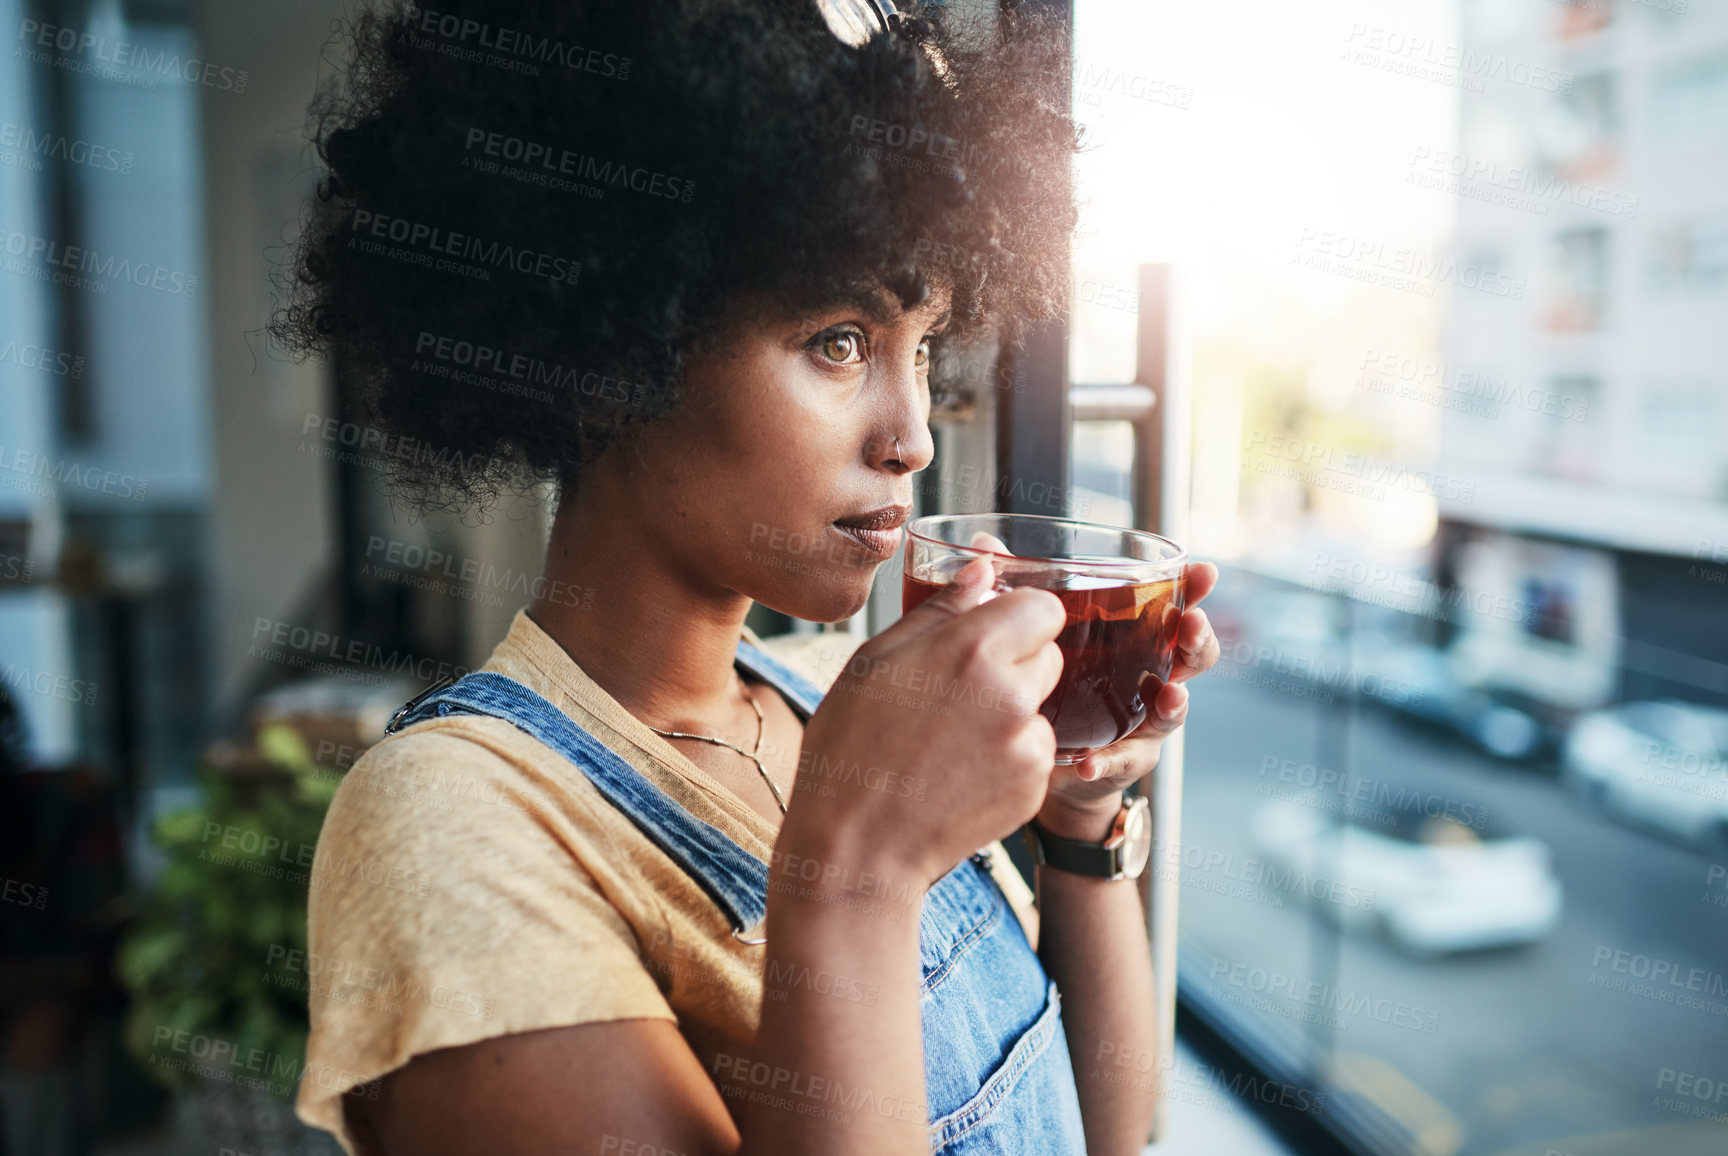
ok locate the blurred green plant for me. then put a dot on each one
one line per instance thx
(234, 886)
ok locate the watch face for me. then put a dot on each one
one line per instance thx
(1136, 838)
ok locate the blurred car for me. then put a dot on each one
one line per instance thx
(1659, 765)
(1302, 622)
(1430, 885)
(1298, 635)
(1277, 636)
(1419, 682)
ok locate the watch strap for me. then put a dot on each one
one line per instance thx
(1077, 856)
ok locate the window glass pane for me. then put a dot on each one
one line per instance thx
(1689, 95)
(1101, 463)
(1455, 827)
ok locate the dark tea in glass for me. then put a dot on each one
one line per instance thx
(1123, 593)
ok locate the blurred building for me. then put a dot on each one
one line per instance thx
(1588, 402)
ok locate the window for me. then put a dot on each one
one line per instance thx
(1579, 296)
(1102, 466)
(1690, 256)
(1400, 890)
(1582, 135)
(1689, 100)
(1681, 435)
(1568, 426)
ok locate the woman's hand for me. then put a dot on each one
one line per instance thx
(929, 745)
(1088, 790)
(1083, 799)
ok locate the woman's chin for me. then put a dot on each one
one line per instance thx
(833, 601)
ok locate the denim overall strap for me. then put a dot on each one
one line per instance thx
(803, 694)
(736, 880)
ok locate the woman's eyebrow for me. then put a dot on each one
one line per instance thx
(885, 314)
(879, 309)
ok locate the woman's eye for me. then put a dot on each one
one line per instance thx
(921, 359)
(842, 346)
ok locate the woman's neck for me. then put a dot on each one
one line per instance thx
(652, 635)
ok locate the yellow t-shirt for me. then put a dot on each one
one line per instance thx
(471, 882)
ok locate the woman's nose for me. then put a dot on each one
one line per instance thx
(906, 452)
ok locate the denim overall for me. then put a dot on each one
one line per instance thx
(996, 1065)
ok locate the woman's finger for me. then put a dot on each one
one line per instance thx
(1199, 579)
(1124, 763)
(1197, 648)
(1132, 758)
(1169, 711)
(984, 541)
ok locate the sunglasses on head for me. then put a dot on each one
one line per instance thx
(856, 21)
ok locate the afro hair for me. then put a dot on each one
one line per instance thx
(531, 212)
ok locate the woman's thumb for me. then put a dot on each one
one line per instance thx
(973, 585)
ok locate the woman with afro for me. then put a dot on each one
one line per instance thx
(636, 886)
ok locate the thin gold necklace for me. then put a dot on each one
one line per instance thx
(761, 725)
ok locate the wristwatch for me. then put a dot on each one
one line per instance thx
(1122, 855)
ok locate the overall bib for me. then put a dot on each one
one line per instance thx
(997, 1073)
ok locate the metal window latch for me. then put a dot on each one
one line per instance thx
(396, 719)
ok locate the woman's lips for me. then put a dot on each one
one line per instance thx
(877, 531)
(881, 543)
